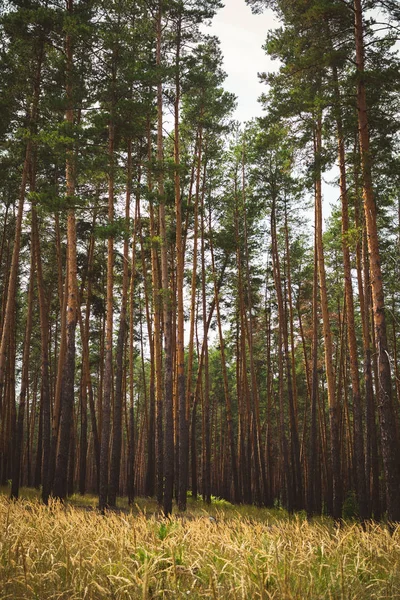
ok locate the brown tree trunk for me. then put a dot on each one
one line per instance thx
(351, 328)
(193, 291)
(228, 404)
(258, 457)
(44, 334)
(166, 297)
(283, 351)
(19, 434)
(13, 273)
(334, 408)
(180, 266)
(108, 354)
(67, 393)
(313, 483)
(115, 464)
(389, 441)
(63, 299)
(86, 384)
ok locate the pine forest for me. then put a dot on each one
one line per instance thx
(182, 315)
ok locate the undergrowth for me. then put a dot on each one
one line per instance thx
(71, 552)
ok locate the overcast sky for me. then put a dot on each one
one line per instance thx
(242, 35)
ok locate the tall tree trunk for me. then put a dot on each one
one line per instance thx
(108, 354)
(295, 425)
(13, 273)
(259, 458)
(67, 392)
(283, 351)
(19, 434)
(334, 409)
(63, 299)
(166, 297)
(228, 403)
(44, 335)
(389, 440)
(86, 385)
(351, 328)
(115, 464)
(313, 483)
(193, 292)
(180, 266)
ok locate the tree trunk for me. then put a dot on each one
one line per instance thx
(389, 441)
(166, 298)
(180, 266)
(334, 409)
(67, 392)
(313, 483)
(351, 328)
(115, 464)
(19, 434)
(228, 403)
(108, 354)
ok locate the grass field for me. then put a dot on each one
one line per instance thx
(72, 552)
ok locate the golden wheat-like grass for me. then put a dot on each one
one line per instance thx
(69, 553)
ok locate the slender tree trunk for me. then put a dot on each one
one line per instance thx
(313, 441)
(131, 417)
(63, 299)
(189, 395)
(67, 392)
(19, 434)
(115, 464)
(259, 459)
(295, 436)
(108, 354)
(44, 334)
(86, 386)
(228, 403)
(166, 297)
(334, 409)
(180, 266)
(283, 352)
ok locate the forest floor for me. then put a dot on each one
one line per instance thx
(61, 552)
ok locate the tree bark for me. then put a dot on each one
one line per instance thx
(389, 440)
(108, 354)
(334, 409)
(68, 377)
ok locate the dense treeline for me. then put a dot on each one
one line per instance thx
(172, 318)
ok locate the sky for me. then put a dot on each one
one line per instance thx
(242, 35)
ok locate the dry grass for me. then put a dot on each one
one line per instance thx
(60, 552)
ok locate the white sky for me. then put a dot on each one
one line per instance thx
(242, 35)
